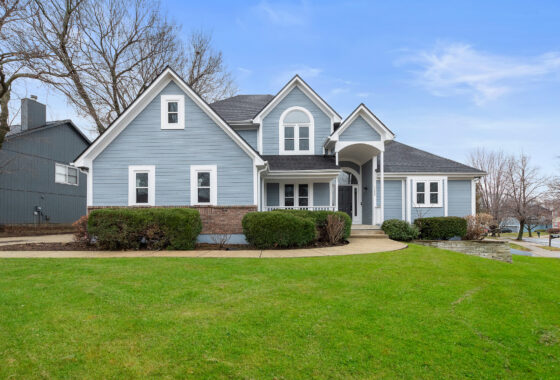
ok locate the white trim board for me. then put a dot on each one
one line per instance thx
(141, 102)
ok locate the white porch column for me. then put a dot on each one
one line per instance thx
(382, 183)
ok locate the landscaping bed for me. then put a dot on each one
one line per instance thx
(35, 230)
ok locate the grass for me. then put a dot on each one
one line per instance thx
(519, 247)
(549, 248)
(419, 312)
(525, 234)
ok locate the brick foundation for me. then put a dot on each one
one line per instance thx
(215, 219)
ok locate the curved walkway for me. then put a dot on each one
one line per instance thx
(356, 246)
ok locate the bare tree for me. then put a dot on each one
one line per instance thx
(104, 53)
(15, 52)
(524, 185)
(492, 187)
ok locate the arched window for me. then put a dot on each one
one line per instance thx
(296, 131)
(346, 178)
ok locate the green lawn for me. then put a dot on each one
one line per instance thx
(549, 248)
(419, 312)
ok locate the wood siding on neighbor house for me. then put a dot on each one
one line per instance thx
(143, 142)
(28, 180)
(360, 130)
(270, 124)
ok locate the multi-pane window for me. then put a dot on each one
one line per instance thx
(296, 132)
(204, 185)
(141, 187)
(203, 192)
(65, 174)
(303, 195)
(172, 112)
(297, 195)
(427, 193)
(289, 195)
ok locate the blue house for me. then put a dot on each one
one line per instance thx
(37, 183)
(265, 152)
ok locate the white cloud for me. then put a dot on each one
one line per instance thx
(456, 69)
(284, 15)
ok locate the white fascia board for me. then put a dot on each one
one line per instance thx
(416, 175)
(142, 101)
(297, 81)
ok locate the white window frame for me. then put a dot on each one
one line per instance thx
(213, 170)
(132, 170)
(427, 192)
(296, 183)
(66, 167)
(281, 133)
(180, 99)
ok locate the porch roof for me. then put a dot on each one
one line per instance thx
(301, 162)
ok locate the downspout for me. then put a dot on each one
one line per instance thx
(260, 186)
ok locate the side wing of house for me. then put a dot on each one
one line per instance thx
(35, 173)
(196, 163)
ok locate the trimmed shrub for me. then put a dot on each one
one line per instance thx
(151, 228)
(273, 229)
(320, 220)
(399, 230)
(441, 228)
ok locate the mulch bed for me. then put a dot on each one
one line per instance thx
(74, 246)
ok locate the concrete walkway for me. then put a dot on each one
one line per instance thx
(60, 238)
(535, 250)
(356, 246)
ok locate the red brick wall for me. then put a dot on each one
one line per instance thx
(215, 219)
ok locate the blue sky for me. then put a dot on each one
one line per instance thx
(445, 76)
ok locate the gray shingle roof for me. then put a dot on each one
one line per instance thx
(307, 162)
(15, 130)
(402, 158)
(241, 107)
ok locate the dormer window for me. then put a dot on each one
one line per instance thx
(296, 131)
(172, 112)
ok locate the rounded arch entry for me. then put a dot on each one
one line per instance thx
(349, 194)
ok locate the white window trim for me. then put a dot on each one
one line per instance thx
(296, 150)
(426, 181)
(66, 167)
(132, 170)
(213, 169)
(180, 99)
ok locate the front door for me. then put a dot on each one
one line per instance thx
(349, 202)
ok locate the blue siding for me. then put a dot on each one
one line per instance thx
(426, 212)
(367, 195)
(360, 130)
(459, 198)
(271, 122)
(143, 142)
(250, 136)
(321, 194)
(28, 180)
(393, 198)
(272, 194)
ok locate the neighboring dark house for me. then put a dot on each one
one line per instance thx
(37, 185)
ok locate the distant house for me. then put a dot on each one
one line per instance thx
(510, 223)
(37, 183)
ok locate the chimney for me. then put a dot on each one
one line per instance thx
(33, 113)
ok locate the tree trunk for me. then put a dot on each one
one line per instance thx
(521, 228)
(4, 115)
(529, 229)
